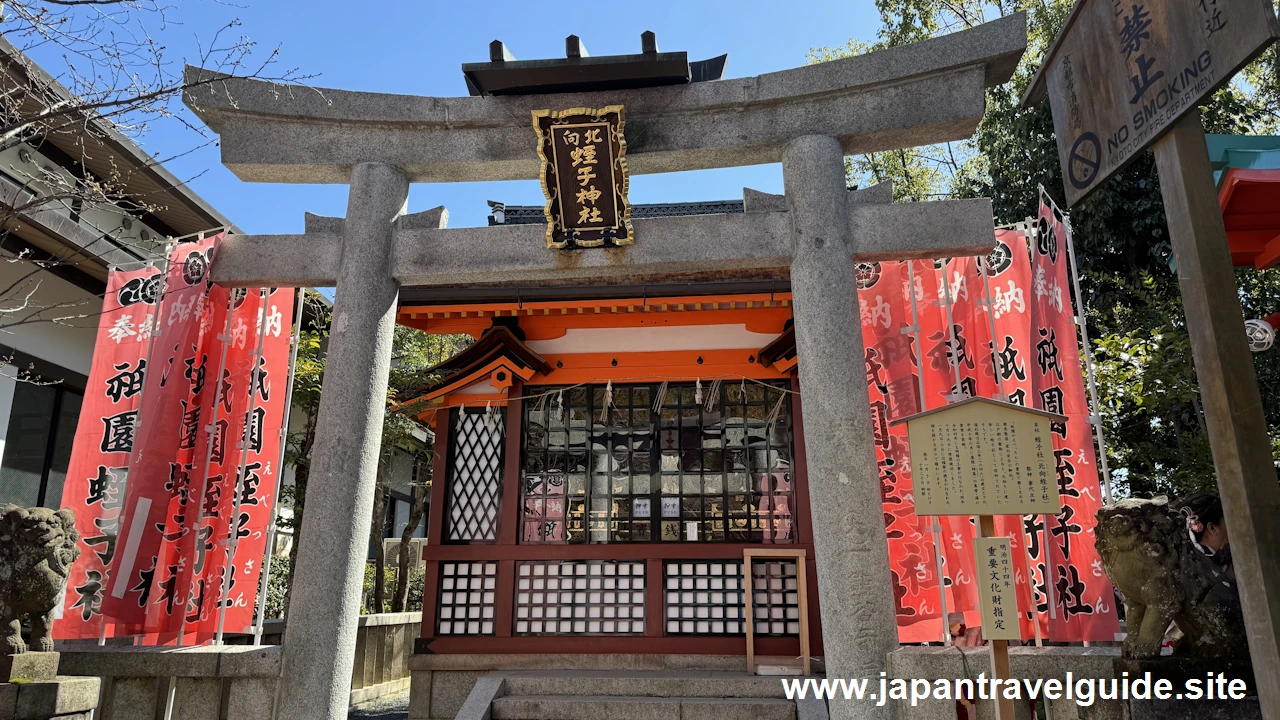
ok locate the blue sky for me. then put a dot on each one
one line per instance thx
(418, 48)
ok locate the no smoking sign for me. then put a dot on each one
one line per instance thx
(1085, 161)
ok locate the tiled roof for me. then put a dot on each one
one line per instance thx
(533, 214)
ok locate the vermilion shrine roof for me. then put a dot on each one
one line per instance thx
(499, 355)
(1247, 170)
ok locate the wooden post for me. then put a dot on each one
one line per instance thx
(509, 504)
(1229, 391)
(999, 648)
(802, 591)
(435, 522)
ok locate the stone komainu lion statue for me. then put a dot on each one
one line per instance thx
(1151, 560)
(37, 548)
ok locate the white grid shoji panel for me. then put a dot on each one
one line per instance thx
(580, 597)
(776, 595)
(467, 592)
(705, 597)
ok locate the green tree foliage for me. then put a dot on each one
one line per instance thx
(1150, 400)
(413, 354)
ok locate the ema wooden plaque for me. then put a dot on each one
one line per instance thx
(1123, 71)
(983, 457)
(584, 177)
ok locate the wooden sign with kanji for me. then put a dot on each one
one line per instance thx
(584, 177)
(983, 457)
(1122, 73)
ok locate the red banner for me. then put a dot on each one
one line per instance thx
(984, 342)
(186, 543)
(1008, 309)
(167, 436)
(241, 479)
(1080, 596)
(950, 369)
(97, 475)
(201, 478)
(895, 394)
(259, 463)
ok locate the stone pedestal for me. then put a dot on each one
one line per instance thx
(31, 689)
(1177, 669)
(228, 682)
(28, 666)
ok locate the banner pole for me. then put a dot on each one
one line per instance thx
(934, 521)
(233, 533)
(210, 429)
(284, 434)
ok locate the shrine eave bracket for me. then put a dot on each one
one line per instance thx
(927, 92)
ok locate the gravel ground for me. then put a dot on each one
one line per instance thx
(393, 707)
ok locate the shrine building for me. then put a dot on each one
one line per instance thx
(603, 457)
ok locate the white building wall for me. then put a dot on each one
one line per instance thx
(68, 342)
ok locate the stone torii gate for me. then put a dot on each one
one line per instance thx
(807, 118)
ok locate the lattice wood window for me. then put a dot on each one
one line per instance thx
(714, 466)
(705, 597)
(580, 597)
(475, 475)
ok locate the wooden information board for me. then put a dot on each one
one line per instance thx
(1122, 72)
(983, 457)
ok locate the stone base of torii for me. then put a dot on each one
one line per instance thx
(807, 118)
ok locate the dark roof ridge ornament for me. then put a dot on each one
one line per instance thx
(578, 71)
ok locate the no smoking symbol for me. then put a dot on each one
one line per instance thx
(1085, 160)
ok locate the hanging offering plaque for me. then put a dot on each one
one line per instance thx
(584, 177)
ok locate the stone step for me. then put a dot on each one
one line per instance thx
(668, 684)
(606, 707)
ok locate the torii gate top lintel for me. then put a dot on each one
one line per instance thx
(932, 91)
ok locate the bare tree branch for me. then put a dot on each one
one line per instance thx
(108, 81)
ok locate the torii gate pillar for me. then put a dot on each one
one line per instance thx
(324, 605)
(849, 546)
